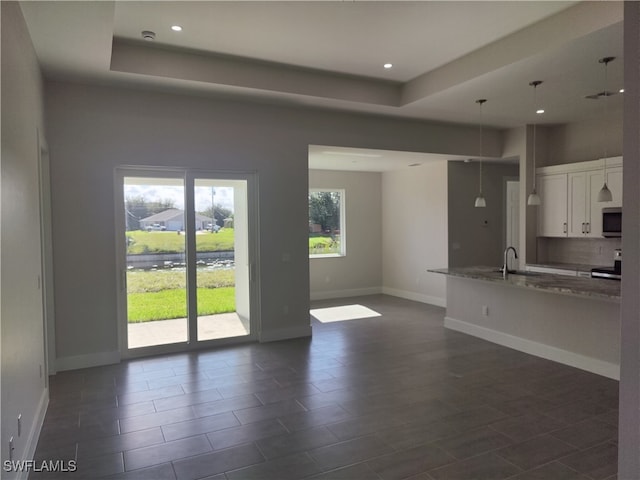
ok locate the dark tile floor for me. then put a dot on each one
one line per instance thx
(390, 397)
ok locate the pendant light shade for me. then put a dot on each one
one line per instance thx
(480, 200)
(534, 198)
(604, 195)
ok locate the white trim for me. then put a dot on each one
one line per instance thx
(417, 297)
(88, 360)
(326, 255)
(253, 252)
(285, 333)
(359, 292)
(566, 357)
(343, 223)
(580, 166)
(351, 292)
(34, 433)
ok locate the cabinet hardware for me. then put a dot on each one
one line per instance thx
(564, 227)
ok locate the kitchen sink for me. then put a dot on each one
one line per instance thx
(525, 273)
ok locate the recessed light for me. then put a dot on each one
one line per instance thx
(388, 65)
(176, 28)
(539, 111)
(621, 90)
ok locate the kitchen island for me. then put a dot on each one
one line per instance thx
(572, 320)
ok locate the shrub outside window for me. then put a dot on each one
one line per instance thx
(326, 223)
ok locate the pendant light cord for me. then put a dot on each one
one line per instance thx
(535, 84)
(606, 61)
(480, 102)
(606, 116)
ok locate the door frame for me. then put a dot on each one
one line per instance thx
(188, 175)
(509, 182)
(46, 244)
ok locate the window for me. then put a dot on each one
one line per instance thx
(326, 223)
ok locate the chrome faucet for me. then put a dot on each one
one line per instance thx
(505, 267)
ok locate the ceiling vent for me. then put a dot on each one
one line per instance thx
(596, 96)
(148, 35)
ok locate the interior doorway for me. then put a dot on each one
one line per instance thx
(185, 256)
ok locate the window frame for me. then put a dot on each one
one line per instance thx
(343, 222)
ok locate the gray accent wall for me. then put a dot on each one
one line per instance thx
(477, 235)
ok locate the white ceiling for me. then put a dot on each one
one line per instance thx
(446, 54)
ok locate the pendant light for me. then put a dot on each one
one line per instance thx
(534, 198)
(604, 195)
(480, 201)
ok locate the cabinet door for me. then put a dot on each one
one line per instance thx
(594, 212)
(577, 209)
(552, 212)
(614, 182)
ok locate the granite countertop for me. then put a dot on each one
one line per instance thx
(579, 267)
(602, 289)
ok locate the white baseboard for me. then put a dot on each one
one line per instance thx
(417, 297)
(34, 432)
(559, 355)
(285, 333)
(352, 292)
(86, 361)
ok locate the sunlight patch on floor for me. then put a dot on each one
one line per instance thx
(343, 313)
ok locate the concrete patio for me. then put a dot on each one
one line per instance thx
(162, 332)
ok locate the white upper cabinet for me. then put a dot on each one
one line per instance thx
(614, 182)
(552, 212)
(569, 206)
(577, 207)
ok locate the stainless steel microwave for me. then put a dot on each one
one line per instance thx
(612, 222)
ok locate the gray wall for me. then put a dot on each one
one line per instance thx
(589, 139)
(414, 236)
(23, 376)
(629, 422)
(360, 270)
(94, 129)
(477, 235)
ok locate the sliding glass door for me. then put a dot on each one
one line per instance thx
(222, 272)
(184, 255)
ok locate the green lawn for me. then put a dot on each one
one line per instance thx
(161, 294)
(139, 281)
(171, 242)
(167, 304)
(322, 244)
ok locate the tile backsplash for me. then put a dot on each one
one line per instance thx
(589, 251)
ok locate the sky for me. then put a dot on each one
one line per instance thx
(222, 195)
